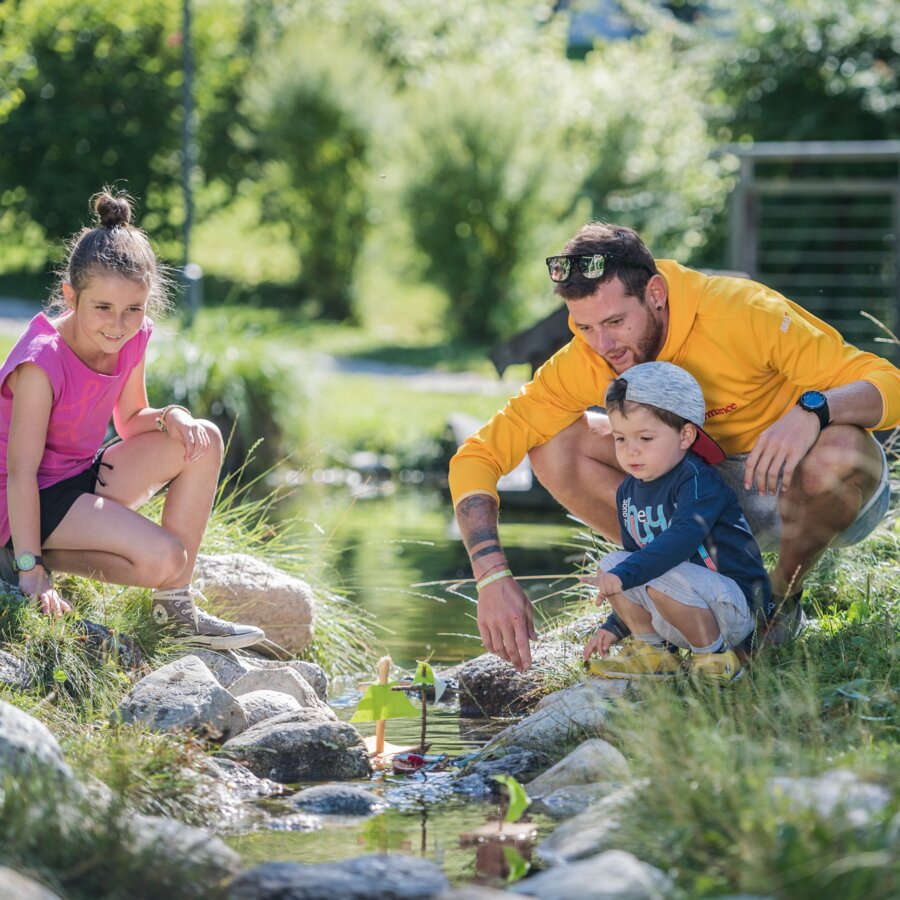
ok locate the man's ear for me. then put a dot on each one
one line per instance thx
(657, 293)
(688, 436)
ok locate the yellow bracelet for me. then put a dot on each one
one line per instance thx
(505, 573)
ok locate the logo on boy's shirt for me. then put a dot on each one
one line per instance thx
(643, 524)
(721, 410)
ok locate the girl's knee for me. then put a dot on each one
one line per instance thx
(214, 435)
(165, 562)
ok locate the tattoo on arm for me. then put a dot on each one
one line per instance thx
(477, 518)
(486, 551)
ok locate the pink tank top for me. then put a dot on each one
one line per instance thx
(83, 402)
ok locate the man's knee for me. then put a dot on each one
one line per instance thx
(844, 459)
(560, 463)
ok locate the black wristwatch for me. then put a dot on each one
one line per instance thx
(816, 402)
(26, 561)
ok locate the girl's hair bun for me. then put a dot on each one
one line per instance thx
(111, 211)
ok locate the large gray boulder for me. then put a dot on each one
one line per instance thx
(243, 588)
(313, 674)
(593, 761)
(489, 686)
(182, 696)
(15, 886)
(392, 877)
(559, 725)
(27, 746)
(614, 875)
(307, 745)
(14, 672)
(287, 681)
(261, 705)
(570, 800)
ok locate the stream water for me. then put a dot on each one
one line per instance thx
(383, 545)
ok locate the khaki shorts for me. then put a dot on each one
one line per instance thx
(765, 520)
(696, 586)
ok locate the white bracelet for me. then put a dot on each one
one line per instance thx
(503, 573)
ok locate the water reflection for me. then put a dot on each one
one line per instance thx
(379, 548)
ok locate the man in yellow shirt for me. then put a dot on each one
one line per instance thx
(790, 403)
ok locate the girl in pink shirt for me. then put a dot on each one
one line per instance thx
(66, 503)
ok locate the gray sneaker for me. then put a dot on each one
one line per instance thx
(178, 607)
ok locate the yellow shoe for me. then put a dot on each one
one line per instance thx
(722, 667)
(638, 660)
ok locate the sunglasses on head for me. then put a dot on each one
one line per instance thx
(590, 265)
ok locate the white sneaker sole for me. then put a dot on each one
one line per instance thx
(223, 641)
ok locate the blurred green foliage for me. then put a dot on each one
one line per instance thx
(460, 130)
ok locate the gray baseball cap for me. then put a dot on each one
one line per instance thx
(667, 386)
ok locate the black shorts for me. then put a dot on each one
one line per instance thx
(57, 499)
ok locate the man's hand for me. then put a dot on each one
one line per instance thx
(605, 582)
(599, 644)
(783, 444)
(505, 622)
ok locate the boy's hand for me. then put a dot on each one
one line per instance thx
(599, 644)
(605, 582)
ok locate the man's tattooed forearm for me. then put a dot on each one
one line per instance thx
(477, 517)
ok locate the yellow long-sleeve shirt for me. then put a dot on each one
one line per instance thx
(752, 351)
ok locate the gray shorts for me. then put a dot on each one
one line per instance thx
(765, 520)
(691, 585)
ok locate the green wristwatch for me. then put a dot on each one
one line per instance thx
(26, 561)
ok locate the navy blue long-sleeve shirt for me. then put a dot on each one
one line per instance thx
(688, 514)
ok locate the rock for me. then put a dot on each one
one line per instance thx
(488, 686)
(477, 778)
(16, 886)
(210, 859)
(27, 746)
(838, 794)
(247, 589)
(225, 665)
(336, 800)
(577, 631)
(228, 666)
(589, 832)
(182, 696)
(591, 686)
(392, 877)
(261, 705)
(239, 778)
(570, 718)
(307, 745)
(614, 875)
(568, 801)
(472, 892)
(287, 681)
(14, 672)
(593, 761)
(103, 643)
(312, 673)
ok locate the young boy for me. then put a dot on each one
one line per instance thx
(691, 575)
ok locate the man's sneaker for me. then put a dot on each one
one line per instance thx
(197, 627)
(721, 667)
(638, 659)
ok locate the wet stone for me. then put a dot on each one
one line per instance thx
(477, 778)
(336, 800)
(385, 877)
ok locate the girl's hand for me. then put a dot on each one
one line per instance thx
(599, 644)
(37, 584)
(184, 428)
(606, 583)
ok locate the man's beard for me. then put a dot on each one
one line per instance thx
(651, 343)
